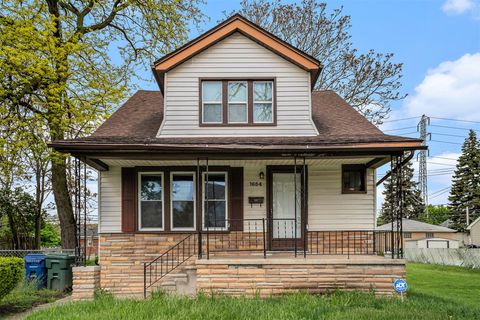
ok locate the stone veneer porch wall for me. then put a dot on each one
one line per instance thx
(251, 277)
(122, 256)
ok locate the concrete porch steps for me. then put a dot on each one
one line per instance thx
(181, 281)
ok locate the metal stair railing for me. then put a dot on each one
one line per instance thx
(175, 256)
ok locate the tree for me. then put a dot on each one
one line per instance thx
(465, 190)
(437, 214)
(57, 73)
(368, 81)
(50, 235)
(413, 205)
(22, 212)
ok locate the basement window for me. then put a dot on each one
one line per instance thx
(353, 178)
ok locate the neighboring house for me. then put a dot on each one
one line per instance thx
(238, 152)
(92, 241)
(474, 232)
(418, 234)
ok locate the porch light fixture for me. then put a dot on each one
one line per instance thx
(261, 175)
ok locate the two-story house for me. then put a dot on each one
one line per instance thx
(238, 177)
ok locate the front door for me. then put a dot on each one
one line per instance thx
(286, 202)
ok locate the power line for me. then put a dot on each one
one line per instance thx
(439, 191)
(442, 164)
(398, 129)
(439, 141)
(396, 120)
(443, 158)
(448, 135)
(437, 195)
(459, 120)
(450, 127)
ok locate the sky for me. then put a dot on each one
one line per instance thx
(438, 41)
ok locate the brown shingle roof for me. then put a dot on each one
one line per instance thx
(139, 119)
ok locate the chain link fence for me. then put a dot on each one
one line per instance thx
(469, 258)
(23, 253)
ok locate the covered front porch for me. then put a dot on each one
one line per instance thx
(245, 215)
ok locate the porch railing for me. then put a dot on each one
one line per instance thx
(171, 259)
(352, 242)
(236, 235)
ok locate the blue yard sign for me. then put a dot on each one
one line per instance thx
(400, 285)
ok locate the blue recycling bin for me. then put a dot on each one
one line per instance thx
(36, 269)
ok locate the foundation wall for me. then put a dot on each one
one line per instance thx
(274, 277)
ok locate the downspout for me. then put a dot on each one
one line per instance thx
(405, 161)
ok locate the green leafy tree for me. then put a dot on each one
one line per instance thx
(22, 212)
(369, 81)
(50, 235)
(437, 214)
(57, 73)
(413, 205)
(465, 190)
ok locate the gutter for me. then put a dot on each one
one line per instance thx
(404, 162)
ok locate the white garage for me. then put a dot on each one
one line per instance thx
(431, 243)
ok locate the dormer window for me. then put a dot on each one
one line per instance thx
(237, 102)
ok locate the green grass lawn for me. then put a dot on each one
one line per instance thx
(434, 293)
(25, 296)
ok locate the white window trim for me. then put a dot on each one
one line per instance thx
(194, 200)
(139, 204)
(237, 102)
(212, 102)
(264, 102)
(204, 228)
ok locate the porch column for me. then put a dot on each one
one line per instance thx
(397, 205)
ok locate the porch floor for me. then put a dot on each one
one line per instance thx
(287, 257)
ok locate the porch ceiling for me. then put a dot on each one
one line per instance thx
(234, 163)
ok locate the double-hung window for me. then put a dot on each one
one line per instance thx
(150, 204)
(215, 201)
(262, 101)
(212, 102)
(237, 102)
(182, 200)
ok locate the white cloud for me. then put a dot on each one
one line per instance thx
(451, 90)
(458, 6)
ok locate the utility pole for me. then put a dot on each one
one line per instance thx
(468, 216)
(422, 160)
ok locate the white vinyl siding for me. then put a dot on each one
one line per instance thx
(328, 208)
(110, 201)
(237, 57)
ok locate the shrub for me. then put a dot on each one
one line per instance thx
(11, 271)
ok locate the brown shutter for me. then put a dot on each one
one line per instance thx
(236, 198)
(129, 200)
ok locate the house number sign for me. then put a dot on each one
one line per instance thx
(255, 184)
